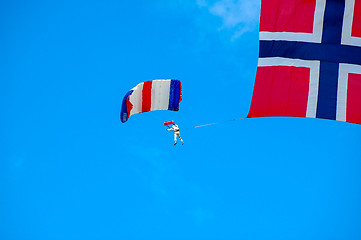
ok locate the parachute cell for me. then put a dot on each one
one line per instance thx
(150, 96)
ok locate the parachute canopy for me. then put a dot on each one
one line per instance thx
(150, 96)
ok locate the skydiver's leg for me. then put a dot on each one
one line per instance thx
(175, 138)
(180, 137)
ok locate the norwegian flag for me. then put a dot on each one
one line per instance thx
(309, 60)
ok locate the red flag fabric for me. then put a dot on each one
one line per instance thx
(168, 123)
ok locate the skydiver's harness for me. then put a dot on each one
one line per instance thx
(175, 129)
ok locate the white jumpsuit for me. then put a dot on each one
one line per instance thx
(175, 129)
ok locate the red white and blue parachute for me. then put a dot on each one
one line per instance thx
(152, 95)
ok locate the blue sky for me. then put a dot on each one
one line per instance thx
(69, 169)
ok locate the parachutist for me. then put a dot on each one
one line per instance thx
(175, 129)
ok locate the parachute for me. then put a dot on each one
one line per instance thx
(163, 94)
